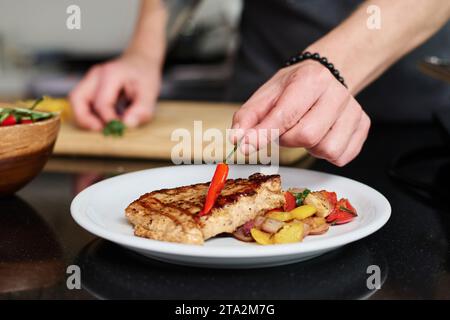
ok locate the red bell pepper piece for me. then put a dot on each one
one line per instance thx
(343, 212)
(343, 217)
(215, 187)
(344, 203)
(290, 201)
(9, 121)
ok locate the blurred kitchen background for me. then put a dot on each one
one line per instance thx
(40, 56)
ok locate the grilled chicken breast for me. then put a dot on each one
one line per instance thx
(171, 214)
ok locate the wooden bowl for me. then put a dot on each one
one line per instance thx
(24, 150)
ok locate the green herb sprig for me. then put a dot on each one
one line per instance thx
(114, 128)
(25, 113)
(301, 196)
(346, 210)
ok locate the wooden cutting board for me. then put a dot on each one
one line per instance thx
(153, 141)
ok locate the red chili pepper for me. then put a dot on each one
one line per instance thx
(215, 187)
(290, 201)
(9, 121)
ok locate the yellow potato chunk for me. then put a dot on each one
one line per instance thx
(261, 237)
(280, 216)
(303, 212)
(315, 222)
(290, 233)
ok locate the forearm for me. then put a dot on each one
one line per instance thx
(149, 38)
(363, 54)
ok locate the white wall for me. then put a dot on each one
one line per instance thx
(29, 25)
(41, 24)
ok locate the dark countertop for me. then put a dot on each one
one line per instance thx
(39, 239)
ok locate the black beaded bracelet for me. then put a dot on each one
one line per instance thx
(322, 60)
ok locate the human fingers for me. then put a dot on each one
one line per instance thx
(319, 119)
(355, 145)
(110, 82)
(81, 98)
(336, 141)
(301, 88)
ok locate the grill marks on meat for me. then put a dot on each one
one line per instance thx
(170, 214)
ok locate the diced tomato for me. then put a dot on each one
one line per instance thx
(9, 121)
(290, 201)
(25, 121)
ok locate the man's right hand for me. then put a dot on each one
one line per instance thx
(93, 99)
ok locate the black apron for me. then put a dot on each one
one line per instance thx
(273, 30)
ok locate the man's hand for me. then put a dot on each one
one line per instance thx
(94, 98)
(311, 109)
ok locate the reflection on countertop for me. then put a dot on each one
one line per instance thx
(31, 255)
(116, 273)
(39, 240)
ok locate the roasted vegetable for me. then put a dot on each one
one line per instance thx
(317, 225)
(243, 235)
(280, 216)
(342, 213)
(271, 225)
(323, 201)
(258, 222)
(290, 233)
(290, 201)
(301, 196)
(261, 237)
(313, 217)
(319, 229)
(303, 212)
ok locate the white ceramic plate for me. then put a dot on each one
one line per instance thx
(100, 210)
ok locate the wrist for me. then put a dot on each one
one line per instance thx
(352, 54)
(316, 57)
(143, 59)
(151, 56)
(339, 63)
(149, 39)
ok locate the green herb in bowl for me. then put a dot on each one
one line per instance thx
(13, 115)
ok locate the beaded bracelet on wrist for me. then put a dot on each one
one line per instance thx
(322, 60)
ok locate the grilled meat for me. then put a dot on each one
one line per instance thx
(171, 214)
